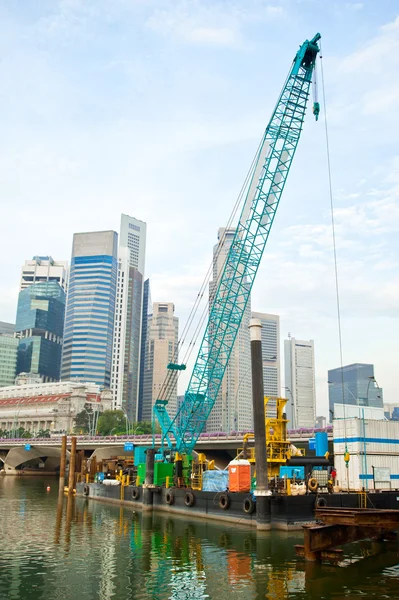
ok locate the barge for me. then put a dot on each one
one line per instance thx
(286, 512)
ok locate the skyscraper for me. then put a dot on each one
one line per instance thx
(128, 317)
(162, 341)
(233, 407)
(300, 382)
(270, 334)
(40, 328)
(144, 337)
(44, 268)
(8, 358)
(353, 385)
(90, 312)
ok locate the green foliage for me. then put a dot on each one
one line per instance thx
(112, 422)
(142, 427)
(43, 433)
(22, 433)
(84, 420)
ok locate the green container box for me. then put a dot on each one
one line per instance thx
(162, 471)
(141, 472)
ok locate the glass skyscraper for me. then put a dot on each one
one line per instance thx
(128, 317)
(144, 334)
(8, 359)
(90, 312)
(353, 385)
(39, 327)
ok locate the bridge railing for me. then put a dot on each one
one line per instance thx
(304, 433)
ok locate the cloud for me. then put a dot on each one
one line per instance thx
(214, 23)
(213, 36)
(380, 53)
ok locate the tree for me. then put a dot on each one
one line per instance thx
(43, 433)
(144, 427)
(84, 420)
(112, 422)
(22, 433)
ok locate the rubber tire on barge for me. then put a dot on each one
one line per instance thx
(189, 499)
(169, 498)
(248, 505)
(224, 501)
(320, 502)
(86, 490)
(136, 493)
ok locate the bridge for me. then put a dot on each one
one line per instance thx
(44, 453)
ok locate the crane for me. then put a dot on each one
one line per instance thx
(268, 177)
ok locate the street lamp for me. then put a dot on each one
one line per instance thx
(135, 430)
(128, 426)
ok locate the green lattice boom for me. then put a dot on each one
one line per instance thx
(269, 175)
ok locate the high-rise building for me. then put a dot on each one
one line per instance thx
(40, 328)
(300, 382)
(270, 335)
(44, 268)
(232, 410)
(7, 328)
(144, 336)
(162, 341)
(353, 385)
(90, 312)
(133, 235)
(128, 317)
(8, 359)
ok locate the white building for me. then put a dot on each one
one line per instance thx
(162, 341)
(128, 316)
(44, 268)
(51, 406)
(233, 407)
(300, 382)
(270, 335)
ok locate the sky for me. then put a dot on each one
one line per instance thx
(155, 108)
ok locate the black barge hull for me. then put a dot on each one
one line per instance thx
(287, 512)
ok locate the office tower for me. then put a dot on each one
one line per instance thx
(7, 328)
(44, 268)
(8, 356)
(162, 341)
(128, 317)
(133, 235)
(40, 327)
(90, 312)
(300, 382)
(353, 385)
(144, 335)
(270, 334)
(232, 410)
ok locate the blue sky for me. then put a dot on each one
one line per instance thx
(155, 108)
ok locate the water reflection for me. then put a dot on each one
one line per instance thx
(64, 547)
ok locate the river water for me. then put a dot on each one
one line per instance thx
(86, 550)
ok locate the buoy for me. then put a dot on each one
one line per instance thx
(48, 488)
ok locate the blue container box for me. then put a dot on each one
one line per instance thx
(140, 455)
(321, 443)
(291, 472)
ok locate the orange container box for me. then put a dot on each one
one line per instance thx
(239, 476)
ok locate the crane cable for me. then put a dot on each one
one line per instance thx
(334, 248)
(172, 377)
(169, 382)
